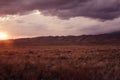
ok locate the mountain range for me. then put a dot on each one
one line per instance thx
(108, 38)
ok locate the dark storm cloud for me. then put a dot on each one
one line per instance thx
(101, 9)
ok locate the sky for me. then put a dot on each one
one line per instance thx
(32, 18)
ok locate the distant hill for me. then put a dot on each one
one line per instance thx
(115, 33)
(111, 38)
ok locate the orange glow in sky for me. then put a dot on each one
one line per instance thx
(3, 36)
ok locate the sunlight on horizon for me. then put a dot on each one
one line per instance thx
(4, 36)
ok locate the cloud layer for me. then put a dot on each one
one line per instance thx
(64, 17)
(39, 25)
(100, 9)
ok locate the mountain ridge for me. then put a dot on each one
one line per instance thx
(67, 40)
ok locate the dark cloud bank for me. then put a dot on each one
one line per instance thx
(100, 9)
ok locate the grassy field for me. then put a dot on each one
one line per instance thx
(96, 62)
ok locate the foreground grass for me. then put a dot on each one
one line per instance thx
(60, 63)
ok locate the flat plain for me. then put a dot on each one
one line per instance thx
(83, 62)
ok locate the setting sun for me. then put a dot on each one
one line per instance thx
(3, 36)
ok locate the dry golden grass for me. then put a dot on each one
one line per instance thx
(97, 62)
